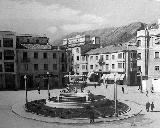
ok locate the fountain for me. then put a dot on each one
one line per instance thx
(74, 96)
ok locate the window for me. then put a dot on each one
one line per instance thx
(83, 58)
(83, 66)
(134, 55)
(157, 68)
(45, 66)
(45, 55)
(156, 54)
(123, 55)
(54, 55)
(35, 67)
(26, 67)
(77, 50)
(1, 69)
(8, 55)
(91, 58)
(37, 41)
(139, 56)
(113, 57)
(107, 67)
(119, 65)
(96, 66)
(0, 55)
(123, 65)
(77, 57)
(113, 66)
(9, 67)
(36, 55)
(25, 56)
(96, 57)
(91, 66)
(138, 43)
(119, 55)
(107, 57)
(54, 66)
(7, 42)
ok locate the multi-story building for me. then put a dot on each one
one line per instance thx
(30, 55)
(78, 46)
(8, 67)
(113, 59)
(148, 50)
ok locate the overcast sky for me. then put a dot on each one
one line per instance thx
(56, 18)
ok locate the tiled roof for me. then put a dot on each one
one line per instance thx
(87, 47)
(111, 49)
(36, 46)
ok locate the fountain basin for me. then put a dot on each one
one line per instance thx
(54, 104)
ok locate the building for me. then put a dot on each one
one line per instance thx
(8, 67)
(148, 50)
(31, 55)
(78, 46)
(119, 59)
(77, 40)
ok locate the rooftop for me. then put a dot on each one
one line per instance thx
(35, 46)
(112, 49)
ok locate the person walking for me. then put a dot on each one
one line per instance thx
(152, 106)
(38, 89)
(147, 93)
(91, 115)
(147, 106)
(152, 89)
(123, 89)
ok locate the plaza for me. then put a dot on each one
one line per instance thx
(132, 96)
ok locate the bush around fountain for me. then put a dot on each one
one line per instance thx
(101, 106)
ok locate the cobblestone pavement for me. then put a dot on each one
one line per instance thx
(144, 120)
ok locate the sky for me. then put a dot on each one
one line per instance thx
(56, 18)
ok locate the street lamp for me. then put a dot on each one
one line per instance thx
(25, 83)
(48, 85)
(115, 95)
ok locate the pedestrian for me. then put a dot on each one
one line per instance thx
(147, 106)
(123, 89)
(152, 106)
(38, 89)
(152, 89)
(147, 93)
(91, 115)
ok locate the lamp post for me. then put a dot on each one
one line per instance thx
(115, 95)
(48, 85)
(25, 83)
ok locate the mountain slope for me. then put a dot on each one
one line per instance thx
(110, 35)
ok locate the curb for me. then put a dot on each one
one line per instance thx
(41, 118)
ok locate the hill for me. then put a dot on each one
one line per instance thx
(111, 35)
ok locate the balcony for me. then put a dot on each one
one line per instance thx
(25, 60)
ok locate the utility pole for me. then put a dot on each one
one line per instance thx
(25, 83)
(115, 96)
(48, 85)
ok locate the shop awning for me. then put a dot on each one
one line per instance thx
(112, 76)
